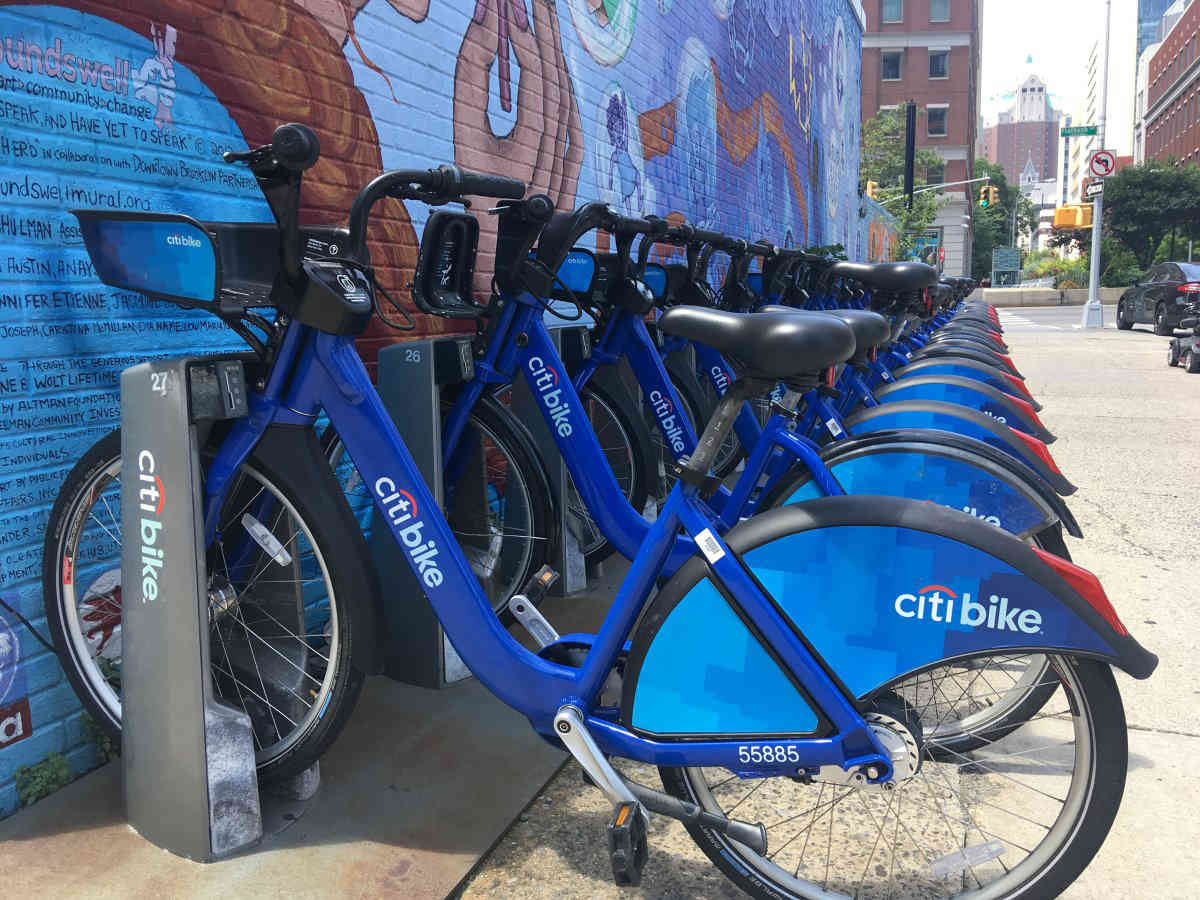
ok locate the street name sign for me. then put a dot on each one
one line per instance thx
(1079, 130)
(1006, 259)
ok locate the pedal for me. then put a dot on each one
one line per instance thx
(523, 607)
(627, 848)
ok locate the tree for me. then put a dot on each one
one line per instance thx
(993, 226)
(882, 161)
(1149, 203)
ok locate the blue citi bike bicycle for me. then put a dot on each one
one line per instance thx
(776, 679)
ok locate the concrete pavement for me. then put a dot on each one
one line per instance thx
(1126, 427)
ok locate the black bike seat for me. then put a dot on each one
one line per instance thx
(892, 277)
(870, 329)
(771, 344)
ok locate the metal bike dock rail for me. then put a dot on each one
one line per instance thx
(411, 376)
(190, 780)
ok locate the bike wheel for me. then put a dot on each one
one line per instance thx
(1020, 820)
(628, 457)
(496, 499)
(280, 640)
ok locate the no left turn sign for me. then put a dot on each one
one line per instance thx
(1102, 163)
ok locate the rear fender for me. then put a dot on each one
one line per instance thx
(971, 393)
(960, 420)
(979, 354)
(956, 471)
(997, 377)
(949, 586)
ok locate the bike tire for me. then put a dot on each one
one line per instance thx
(1096, 712)
(319, 509)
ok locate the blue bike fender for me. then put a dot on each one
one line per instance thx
(879, 588)
(983, 479)
(968, 368)
(961, 420)
(971, 393)
(978, 354)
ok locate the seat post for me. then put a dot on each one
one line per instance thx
(721, 423)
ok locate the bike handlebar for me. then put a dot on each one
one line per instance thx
(432, 186)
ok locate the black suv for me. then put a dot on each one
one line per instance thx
(1160, 297)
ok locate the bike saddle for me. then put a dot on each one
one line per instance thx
(773, 345)
(870, 329)
(892, 277)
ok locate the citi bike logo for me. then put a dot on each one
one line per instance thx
(720, 378)
(545, 382)
(1000, 419)
(665, 411)
(407, 525)
(151, 499)
(182, 240)
(938, 603)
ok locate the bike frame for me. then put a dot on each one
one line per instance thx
(325, 374)
(521, 343)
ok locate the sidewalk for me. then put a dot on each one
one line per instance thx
(1126, 427)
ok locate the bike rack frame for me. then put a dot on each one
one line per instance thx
(191, 785)
(410, 379)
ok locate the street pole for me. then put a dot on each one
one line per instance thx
(1093, 312)
(910, 151)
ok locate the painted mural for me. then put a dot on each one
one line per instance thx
(740, 115)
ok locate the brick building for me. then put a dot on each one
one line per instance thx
(1025, 135)
(928, 51)
(1171, 125)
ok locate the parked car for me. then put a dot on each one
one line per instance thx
(1159, 298)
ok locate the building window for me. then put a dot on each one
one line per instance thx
(937, 121)
(893, 10)
(890, 63)
(939, 63)
(939, 10)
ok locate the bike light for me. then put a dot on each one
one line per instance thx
(1087, 586)
(1040, 450)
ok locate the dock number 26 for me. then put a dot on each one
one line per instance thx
(778, 754)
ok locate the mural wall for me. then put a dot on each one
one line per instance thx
(736, 114)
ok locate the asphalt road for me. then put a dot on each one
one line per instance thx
(1053, 318)
(1126, 426)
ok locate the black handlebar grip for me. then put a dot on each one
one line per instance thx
(295, 146)
(458, 182)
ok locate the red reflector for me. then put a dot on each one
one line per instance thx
(829, 376)
(874, 355)
(1028, 409)
(1087, 586)
(1007, 361)
(1019, 384)
(1040, 450)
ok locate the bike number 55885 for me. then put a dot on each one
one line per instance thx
(780, 753)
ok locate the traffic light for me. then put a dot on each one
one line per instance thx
(872, 189)
(988, 196)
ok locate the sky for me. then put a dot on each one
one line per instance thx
(1058, 34)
